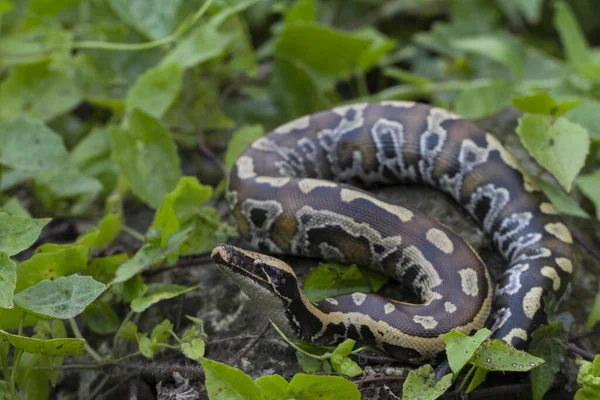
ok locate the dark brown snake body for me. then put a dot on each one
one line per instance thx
(295, 192)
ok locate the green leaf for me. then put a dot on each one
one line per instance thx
(32, 381)
(301, 11)
(100, 318)
(19, 233)
(41, 44)
(38, 91)
(312, 365)
(148, 255)
(330, 280)
(30, 146)
(154, 18)
(478, 379)
(561, 147)
(330, 53)
(273, 387)
(224, 382)
(194, 350)
(562, 201)
(8, 280)
(157, 292)
(241, 139)
(129, 332)
(594, 316)
(589, 380)
(342, 363)
(380, 46)
(62, 298)
(571, 35)
(496, 355)
(147, 157)
(304, 386)
(586, 115)
(51, 347)
(531, 9)
(155, 91)
(549, 343)
(108, 230)
(460, 347)
(420, 384)
(13, 207)
(590, 186)
(539, 103)
(145, 347)
(161, 332)
(484, 100)
(503, 49)
(203, 44)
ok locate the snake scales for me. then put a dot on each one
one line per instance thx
(295, 191)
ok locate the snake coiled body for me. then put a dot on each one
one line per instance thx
(296, 191)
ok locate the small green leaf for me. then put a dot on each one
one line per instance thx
(561, 200)
(590, 186)
(108, 230)
(539, 103)
(203, 44)
(460, 348)
(147, 157)
(62, 298)
(594, 316)
(330, 280)
(273, 387)
(241, 139)
(304, 386)
(19, 233)
(129, 332)
(312, 365)
(589, 380)
(496, 355)
(51, 347)
(8, 280)
(157, 292)
(145, 347)
(194, 350)
(420, 384)
(478, 379)
(549, 343)
(586, 115)
(342, 363)
(161, 332)
(224, 382)
(484, 100)
(39, 90)
(573, 40)
(155, 90)
(561, 148)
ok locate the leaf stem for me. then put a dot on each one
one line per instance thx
(133, 233)
(115, 346)
(464, 381)
(99, 388)
(97, 357)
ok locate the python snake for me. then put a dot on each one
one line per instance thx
(295, 192)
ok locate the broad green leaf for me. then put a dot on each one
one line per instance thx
(62, 298)
(420, 384)
(8, 280)
(30, 146)
(562, 201)
(496, 355)
(483, 101)
(100, 318)
(561, 147)
(330, 53)
(478, 378)
(148, 255)
(379, 47)
(157, 292)
(549, 343)
(38, 91)
(539, 103)
(13, 207)
(301, 11)
(590, 186)
(589, 380)
(147, 157)
(225, 382)
(503, 49)
(586, 115)
(51, 347)
(330, 280)
(19, 233)
(573, 40)
(340, 361)
(194, 350)
(32, 381)
(531, 9)
(203, 44)
(107, 231)
(460, 348)
(273, 387)
(154, 18)
(594, 316)
(49, 8)
(155, 91)
(241, 139)
(304, 386)
(41, 44)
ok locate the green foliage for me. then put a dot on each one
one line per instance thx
(420, 384)
(589, 380)
(550, 344)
